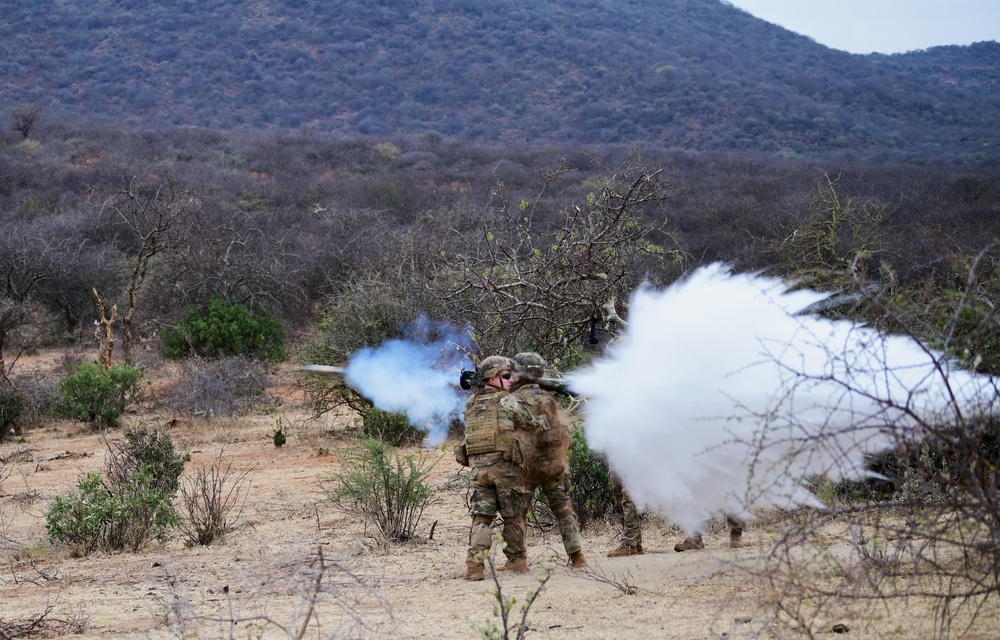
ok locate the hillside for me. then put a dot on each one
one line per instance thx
(692, 74)
(972, 68)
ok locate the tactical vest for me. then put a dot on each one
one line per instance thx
(481, 424)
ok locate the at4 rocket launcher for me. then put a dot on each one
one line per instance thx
(466, 379)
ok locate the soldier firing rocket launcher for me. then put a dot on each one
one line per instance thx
(466, 379)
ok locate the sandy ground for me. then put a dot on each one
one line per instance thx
(297, 558)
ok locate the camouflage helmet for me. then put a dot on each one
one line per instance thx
(529, 364)
(493, 366)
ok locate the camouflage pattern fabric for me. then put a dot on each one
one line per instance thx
(555, 489)
(557, 495)
(497, 485)
(497, 489)
(631, 519)
(544, 453)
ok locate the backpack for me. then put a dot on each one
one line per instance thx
(542, 454)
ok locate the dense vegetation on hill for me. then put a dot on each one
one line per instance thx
(294, 149)
(289, 220)
(689, 74)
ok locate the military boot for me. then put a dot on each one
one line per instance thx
(576, 560)
(626, 550)
(509, 566)
(690, 544)
(736, 537)
(474, 570)
(517, 565)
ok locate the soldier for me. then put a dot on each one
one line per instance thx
(492, 418)
(631, 520)
(695, 543)
(548, 466)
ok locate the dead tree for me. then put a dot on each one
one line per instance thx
(23, 118)
(105, 339)
(553, 285)
(155, 214)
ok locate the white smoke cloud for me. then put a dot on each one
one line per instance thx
(416, 376)
(721, 397)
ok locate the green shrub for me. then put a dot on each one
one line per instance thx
(143, 449)
(590, 481)
(11, 408)
(133, 505)
(96, 518)
(391, 428)
(389, 491)
(97, 395)
(220, 329)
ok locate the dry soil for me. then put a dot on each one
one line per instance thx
(298, 564)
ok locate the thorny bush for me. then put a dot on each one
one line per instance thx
(132, 505)
(389, 490)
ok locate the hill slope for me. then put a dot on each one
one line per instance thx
(697, 74)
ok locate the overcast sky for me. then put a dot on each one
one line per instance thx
(883, 26)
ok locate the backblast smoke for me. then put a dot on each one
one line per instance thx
(723, 395)
(416, 375)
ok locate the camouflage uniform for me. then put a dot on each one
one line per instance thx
(631, 519)
(493, 415)
(556, 490)
(557, 494)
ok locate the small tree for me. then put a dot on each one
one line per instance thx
(551, 287)
(23, 118)
(104, 331)
(14, 317)
(154, 215)
(824, 252)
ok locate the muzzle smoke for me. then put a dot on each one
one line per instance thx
(722, 396)
(416, 376)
